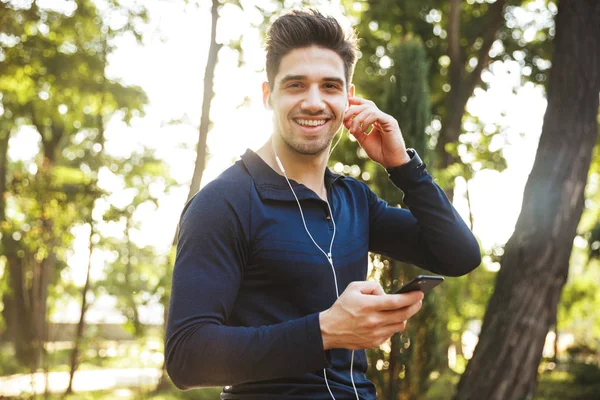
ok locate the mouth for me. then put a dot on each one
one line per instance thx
(311, 124)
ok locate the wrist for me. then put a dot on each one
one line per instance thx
(325, 333)
(403, 158)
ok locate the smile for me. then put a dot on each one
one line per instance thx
(310, 122)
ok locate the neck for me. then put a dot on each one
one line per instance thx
(306, 169)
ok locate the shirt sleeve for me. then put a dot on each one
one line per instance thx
(430, 233)
(201, 350)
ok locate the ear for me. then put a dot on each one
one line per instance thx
(351, 90)
(266, 95)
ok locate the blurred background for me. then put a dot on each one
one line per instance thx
(113, 113)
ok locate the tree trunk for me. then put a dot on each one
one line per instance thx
(209, 93)
(200, 164)
(6, 299)
(18, 306)
(555, 345)
(84, 308)
(26, 298)
(130, 300)
(395, 358)
(536, 261)
(4, 137)
(469, 204)
(74, 361)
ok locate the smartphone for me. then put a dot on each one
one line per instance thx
(424, 283)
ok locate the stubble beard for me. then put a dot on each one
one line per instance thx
(310, 148)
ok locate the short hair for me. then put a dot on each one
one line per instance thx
(298, 29)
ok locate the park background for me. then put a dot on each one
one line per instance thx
(113, 113)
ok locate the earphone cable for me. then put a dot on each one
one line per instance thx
(328, 255)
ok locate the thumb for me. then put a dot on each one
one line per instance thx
(371, 287)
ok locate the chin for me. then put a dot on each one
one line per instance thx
(312, 146)
(309, 149)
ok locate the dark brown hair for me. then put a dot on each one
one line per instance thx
(299, 29)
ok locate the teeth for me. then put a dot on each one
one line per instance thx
(311, 122)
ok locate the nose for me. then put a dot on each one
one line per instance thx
(313, 102)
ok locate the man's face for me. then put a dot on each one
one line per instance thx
(308, 98)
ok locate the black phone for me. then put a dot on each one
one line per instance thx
(423, 283)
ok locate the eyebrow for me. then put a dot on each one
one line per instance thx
(288, 78)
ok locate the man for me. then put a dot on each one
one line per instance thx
(269, 294)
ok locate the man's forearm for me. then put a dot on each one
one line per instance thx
(218, 355)
(432, 235)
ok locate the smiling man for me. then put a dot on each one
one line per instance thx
(269, 297)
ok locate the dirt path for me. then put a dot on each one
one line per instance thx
(86, 380)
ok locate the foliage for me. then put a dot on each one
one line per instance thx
(586, 374)
(131, 274)
(53, 82)
(382, 24)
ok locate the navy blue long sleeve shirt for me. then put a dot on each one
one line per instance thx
(249, 284)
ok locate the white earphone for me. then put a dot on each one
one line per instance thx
(328, 254)
(268, 103)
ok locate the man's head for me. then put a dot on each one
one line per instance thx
(299, 29)
(310, 60)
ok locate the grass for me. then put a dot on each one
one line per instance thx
(560, 385)
(575, 384)
(554, 385)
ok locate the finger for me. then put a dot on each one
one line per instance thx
(366, 122)
(389, 330)
(357, 123)
(354, 110)
(371, 287)
(362, 123)
(356, 132)
(412, 310)
(396, 301)
(391, 317)
(359, 100)
(397, 327)
(370, 120)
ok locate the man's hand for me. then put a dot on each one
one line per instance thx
(364, 316)
(384, 144)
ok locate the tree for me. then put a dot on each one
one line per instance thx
(53, 81)
(462, 40)
(208, 94)
(458, 37)
(201, 155)
(132, 276)
(536, 259)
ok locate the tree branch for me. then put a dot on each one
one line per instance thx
(455, 70)
(495, 18)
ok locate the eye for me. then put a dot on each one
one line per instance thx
(331, 86)
(294, 85)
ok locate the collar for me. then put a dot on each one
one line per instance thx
(273, 186)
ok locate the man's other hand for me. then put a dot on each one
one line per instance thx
(384, 143)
